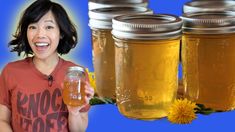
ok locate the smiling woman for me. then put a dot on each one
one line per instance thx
(102, 118)
(43, 37)
(27, 102)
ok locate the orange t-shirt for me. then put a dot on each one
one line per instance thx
(34, 100)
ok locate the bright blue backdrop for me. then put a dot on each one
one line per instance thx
(106, 118)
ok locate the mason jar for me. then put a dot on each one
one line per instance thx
(208, 52)
(96, 4)
(209, 6)
(146, 62)
(74, 86)
(103, 46)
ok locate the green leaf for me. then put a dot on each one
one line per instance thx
(98, 101)
(201, 109)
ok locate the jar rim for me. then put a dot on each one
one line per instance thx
(102, 17)
(95, 4)
(76, 68)
(147, 27)
(209, 22)
(216, 5)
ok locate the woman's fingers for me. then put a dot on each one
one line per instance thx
(74, 110)
(89, 91)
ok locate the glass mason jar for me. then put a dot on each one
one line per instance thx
(208, 52)
(208, 6)
(146, 62)
(103, 46)
(96, 4)
(74, 86)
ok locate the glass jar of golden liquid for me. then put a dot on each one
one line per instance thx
(74, 86)
(96, 4)
(208, 52)
(146, 62)
(205, 6)
(209, 6)
(103, 46)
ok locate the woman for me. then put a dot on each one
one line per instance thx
(30, 89)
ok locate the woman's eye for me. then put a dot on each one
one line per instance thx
(32, 27)
(49, 27)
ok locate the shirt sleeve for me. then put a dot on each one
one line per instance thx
(4, 91)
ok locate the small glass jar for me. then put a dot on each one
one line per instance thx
(74, 86)
(209, 6)
(103, 46)
(146, 62)
(96, 4)
(208, 52)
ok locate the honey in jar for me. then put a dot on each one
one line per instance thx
(146, 63)
(103, 48)
(74, 87)
(208, 52)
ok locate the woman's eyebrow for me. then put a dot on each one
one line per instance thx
(49, 21)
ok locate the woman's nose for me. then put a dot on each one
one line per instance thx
(40, 33)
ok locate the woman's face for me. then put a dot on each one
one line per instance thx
(43, 36)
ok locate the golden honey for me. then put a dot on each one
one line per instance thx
(208, 52)
(74, 93)
(104, 63)
(103, 46)
(146, 77)
(208, 65)
(146, 64)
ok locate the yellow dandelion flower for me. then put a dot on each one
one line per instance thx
(91, 76)
(182, 111)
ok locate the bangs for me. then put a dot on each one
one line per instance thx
(36, 13)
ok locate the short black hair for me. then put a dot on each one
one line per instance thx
(33, 14)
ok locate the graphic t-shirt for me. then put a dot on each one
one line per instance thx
(34, 98)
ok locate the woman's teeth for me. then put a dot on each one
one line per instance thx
(41, 44)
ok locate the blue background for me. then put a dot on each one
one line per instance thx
(106, 118)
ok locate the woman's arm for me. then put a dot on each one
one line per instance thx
(5, 117)
(78, 116)
(78, 121)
